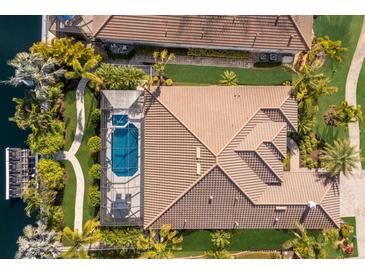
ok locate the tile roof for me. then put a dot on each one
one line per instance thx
(215, 114)
(263, 32)
(236, 134)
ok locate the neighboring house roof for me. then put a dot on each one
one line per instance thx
(286, 33)
(241, 135)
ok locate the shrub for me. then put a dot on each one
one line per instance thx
(229, 54)
(48, 142)
(229, 78)
(50, 173)
(95, 171)
(94, 144)
(169, 82)
(66, 51)
(94, 196)
(120, 77)
(54, 217)
(95, 117)
(345, 231)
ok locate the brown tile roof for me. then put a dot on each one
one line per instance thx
(229, 208)
(286, 33)
(215, 114)
(240, 131)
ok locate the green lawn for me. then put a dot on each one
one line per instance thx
(84, 155)
(205, 75)
(70, 117)
(347, 29)
(361, 101)
(69, 194)
(197, 241)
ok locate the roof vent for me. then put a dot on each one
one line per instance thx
(312, 204)
(210, 199)
(280, 208)
(198, 169)
(198, 152)
(236, 224)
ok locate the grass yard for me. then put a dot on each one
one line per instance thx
(361, 101)
(70, 117)
(69, 195)
(197, 241)
(205, 75)
(84, 156)
(347, 29)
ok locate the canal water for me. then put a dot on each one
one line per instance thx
(17, 33)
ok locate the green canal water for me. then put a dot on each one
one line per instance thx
(17, 33)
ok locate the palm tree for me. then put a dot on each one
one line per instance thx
(229, 78)
(220, 240)
(38, 243)
(35, 72)
(79, 240)
(306, 246)
(340, 157)
(308, 84)
(80, 71)
(326, 45)
(159, 245)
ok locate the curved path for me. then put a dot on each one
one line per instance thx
(70, 155)
(353, 187)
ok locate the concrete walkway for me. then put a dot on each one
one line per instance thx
(70, 155)
(353, 188)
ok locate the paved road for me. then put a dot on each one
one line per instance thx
(353, 188)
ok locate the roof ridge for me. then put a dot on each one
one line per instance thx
(181, 195)
(102, 25)
(248, 120)
(281, 179)
(328, 215)
(183, 124)
(266, 163)
(233, 181)
(300, 32)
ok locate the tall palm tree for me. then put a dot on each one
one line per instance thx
(229, 78)
(80, 240)
(159, 245)
(340, 157)
(38, 243)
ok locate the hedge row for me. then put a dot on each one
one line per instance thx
(229, 54)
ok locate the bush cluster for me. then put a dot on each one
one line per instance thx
(229, 54)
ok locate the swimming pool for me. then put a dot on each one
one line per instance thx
(119, 119)
(125, 150)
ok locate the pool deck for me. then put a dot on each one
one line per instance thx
(121, 191)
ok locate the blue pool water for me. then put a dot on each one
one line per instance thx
(119, 120)
(125, 151)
